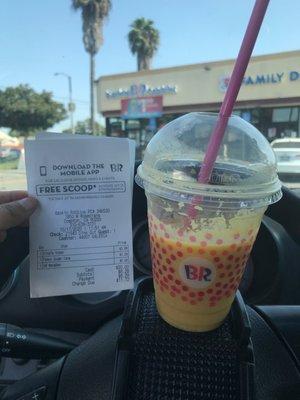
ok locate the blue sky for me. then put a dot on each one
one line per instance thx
(39, 38)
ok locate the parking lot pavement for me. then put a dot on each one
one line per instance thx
(13, 179)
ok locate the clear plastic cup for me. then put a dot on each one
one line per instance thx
(201, 235)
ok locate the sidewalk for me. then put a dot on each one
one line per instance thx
(13, 179)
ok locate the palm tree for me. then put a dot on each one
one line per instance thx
(143, 41)
(93, 13)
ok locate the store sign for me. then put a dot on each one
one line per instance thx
(140, 91)
(141, 107)
(261, 79)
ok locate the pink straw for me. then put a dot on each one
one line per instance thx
(235, 82)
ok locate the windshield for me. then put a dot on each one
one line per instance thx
(55, 77)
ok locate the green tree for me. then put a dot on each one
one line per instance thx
(84, 128)
(93, 13)
(24, 110)
(143, 41)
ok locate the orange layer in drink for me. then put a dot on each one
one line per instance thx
(196, 276)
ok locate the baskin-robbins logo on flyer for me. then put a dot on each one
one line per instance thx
(197, 273)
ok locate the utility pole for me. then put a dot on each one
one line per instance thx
(71, 105)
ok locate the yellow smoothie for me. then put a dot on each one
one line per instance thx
(196, 273)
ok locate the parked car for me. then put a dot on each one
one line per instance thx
(287, 152)
(4, 153)
(9, 153)
(10, 147)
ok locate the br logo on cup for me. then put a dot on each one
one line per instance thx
(197, 273)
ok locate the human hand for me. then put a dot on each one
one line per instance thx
(15, 208)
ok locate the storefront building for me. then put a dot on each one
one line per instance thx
(136, 104)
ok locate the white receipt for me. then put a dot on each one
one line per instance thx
(53, 135)
(81, 234)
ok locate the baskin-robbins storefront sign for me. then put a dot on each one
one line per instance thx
(261, 79)
(140, 90)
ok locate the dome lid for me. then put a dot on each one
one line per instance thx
(244, 174)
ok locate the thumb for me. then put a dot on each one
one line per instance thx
(14, 213)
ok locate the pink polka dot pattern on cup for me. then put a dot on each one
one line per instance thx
(172, 246)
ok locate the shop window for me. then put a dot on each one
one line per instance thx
(115, 127)
(255, 115)
(133, 124)
(287, 114)
(246, 115)
(166, 118)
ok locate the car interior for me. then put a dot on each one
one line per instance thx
(210, 103)
(114, 345)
